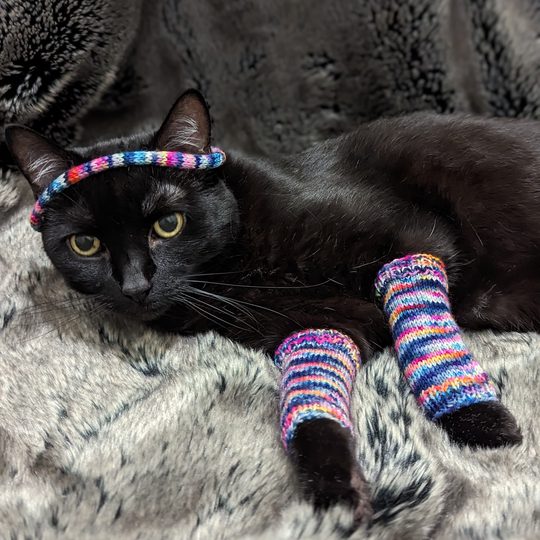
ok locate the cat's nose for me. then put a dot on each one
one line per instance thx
(137, 291)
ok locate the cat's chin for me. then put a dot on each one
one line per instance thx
(151, 314)
(140, 313)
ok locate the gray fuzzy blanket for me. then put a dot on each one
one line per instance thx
(110, 431)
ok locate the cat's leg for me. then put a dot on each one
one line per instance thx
(322, 450)
(318, 369)
(507, 307)
(448, 383)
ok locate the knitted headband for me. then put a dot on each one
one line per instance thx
(177, 160)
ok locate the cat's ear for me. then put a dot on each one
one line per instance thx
(187, 126)
(39, 159)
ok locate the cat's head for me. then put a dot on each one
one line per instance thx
(132, 236)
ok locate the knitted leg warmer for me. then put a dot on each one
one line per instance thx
(318, 370)
(440, 370)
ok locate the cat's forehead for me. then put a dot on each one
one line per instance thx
(142, 188)
(127, 196)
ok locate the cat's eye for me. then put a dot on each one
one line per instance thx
(84, 245)
(169, 226)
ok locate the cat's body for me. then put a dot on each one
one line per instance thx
(316, 227)
(273, 246)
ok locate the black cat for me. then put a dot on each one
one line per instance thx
(260, 248)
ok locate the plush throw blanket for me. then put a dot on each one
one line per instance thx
(277, 74)
(110, 431)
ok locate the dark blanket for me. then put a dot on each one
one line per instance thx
(278, 74)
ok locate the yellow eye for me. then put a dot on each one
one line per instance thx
(84, 245)
(170, 225)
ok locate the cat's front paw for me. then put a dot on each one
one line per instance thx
(323, 453)
(484, 425)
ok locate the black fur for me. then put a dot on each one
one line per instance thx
(270, 247)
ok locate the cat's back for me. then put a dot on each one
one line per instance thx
(449, 144)
(457, 157)
(461, 149)
(481, 175)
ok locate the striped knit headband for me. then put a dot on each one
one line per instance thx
(176, 160)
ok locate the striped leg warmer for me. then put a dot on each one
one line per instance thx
(439, 368)
(318, 370)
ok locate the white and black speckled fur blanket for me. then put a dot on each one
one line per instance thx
(108, 431)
